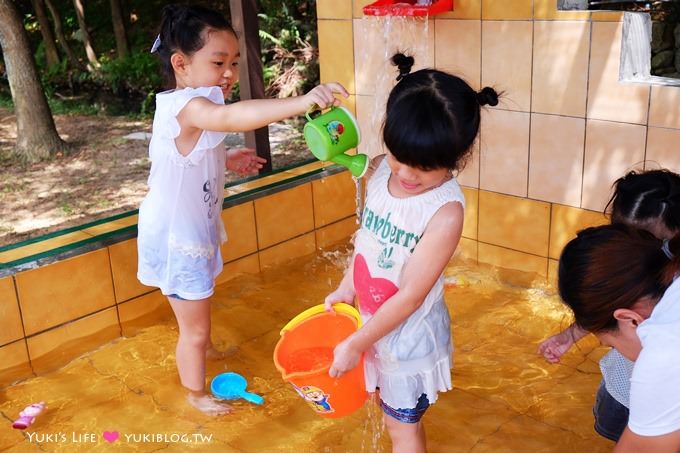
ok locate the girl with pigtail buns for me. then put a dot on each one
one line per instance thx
(180, 228)
(411, 224)
(621, 284)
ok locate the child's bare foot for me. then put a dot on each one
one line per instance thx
(207, 404)
(212, 353)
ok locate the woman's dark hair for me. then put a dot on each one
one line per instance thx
(182, 30)
(432, 117)
(649, 196)
(610, 267)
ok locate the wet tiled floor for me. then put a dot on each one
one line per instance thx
(505, 397)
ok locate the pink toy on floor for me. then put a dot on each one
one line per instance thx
(28, 415)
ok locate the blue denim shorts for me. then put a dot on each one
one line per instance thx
(407, 415)
(611, 417)
(175, 296)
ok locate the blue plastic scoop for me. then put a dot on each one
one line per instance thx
(231, 386)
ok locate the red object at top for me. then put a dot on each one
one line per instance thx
(407, 8)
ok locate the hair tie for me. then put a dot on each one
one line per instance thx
(666, 250)
(156, 44)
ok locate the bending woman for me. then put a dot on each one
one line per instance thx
(620, 284)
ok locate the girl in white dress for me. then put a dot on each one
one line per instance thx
(410, 227)
(180, 226)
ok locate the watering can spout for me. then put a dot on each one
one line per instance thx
(357, 164)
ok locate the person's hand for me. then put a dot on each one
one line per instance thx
(554, 347)
(345, 358)
(322, 95)
(244, 161)
(341, 294)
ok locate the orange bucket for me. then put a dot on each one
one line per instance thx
(304, 355)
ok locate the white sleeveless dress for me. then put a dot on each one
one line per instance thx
(414, 358)
(180, 226)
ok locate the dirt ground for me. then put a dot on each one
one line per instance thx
(104, 174)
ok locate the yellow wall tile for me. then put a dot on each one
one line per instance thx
(566, 221)
(246, 265)
(284, 215)
(512, 259)
(514, 223)
(43, 246)
(56, 347)
(370, 124)
(359, 5)
(457, 49)
(612, 149)
(143, 311)
(239, 222)
(469, 176)
(663, 107)
(334, 198)
(607, 98)
(14, 363)
(288, 250)
(123, 257)
(12, 328)
(559, 79)
(556, 176)
(471, 213)
(466, 250)
(336, 232)
(334, 9)
(553, 267)
(610, 16)
(335, 52)
(374, 72)
(504, 152)
(112, 225)
(464, 9)
(499, 10)
(547, 9)
(65, 290)
(502, 42)
(662, 149)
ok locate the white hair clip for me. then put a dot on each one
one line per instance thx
(666, 250)
(156, 44)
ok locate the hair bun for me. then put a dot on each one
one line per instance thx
(487, 96)
(404, 63)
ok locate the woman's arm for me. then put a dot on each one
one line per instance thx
(633, 443)
(419, 276)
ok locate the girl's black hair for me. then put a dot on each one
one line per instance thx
(182, 31)
(649, 196)
(432, 117)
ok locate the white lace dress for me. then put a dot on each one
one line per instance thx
(180, 224)
(414, 358)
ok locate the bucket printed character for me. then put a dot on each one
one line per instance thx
(335, 130)
(316, 398)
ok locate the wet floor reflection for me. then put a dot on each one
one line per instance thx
(505, 397)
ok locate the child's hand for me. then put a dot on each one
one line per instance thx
(345, 358)
(345, 295)
(322, 95)
(554, 347)
(244, 161)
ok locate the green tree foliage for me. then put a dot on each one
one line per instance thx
(127, 85)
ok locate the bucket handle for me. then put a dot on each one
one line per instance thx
(318, 309)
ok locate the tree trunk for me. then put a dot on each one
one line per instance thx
(37, 137)
(85, 35)
(51, 54)
(119, 28)
(56, 18)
